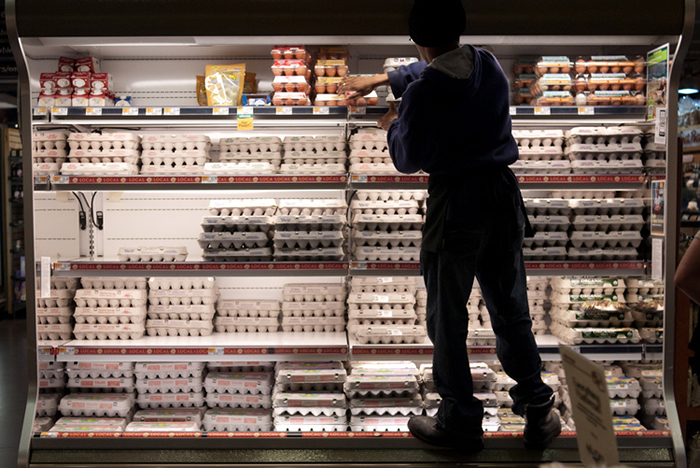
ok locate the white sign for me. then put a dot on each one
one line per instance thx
(660, 126)
(657, 259)
(45, 276)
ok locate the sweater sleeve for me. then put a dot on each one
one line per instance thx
(400, 78)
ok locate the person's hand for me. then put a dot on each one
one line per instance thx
(389, 117)
(358, 86)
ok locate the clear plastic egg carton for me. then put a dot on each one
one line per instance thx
(576, 286)
(110, 297)
(311, 144)
(619, 253)
(313, 309)
(652, 387)
(182, 296)
(246, 324)
(589, 319)
(603, 135)
(370, 139)
(96, 141)
(42, 424)
(377, 423)
(181, 312)
(173, 426)
(620, 239)
(608, 223)
(285, 240)
(152, 254)
(316, 404)
(53, 139)
(309, 253)
(168, 370)
(113, 315)
(644, 286)
(553, 253)
(383, 385)
(360, 157)
(313, 168)
(237, 168)
(47, 404)
(607, 206)
(158, 327)
(56, 331)
(238, 400)
(576, 336)
(315, 158)
(313, 324)
(623, 387)
(174, 143)
(109, 384)
(248, 308)
(56, 298)
(314, 292)
(41, 169)
(311, 424)
(366, 240)
(181, 283)
(546, 206)
(54, 315)
(648, 316)
(652, 335)
(624, 406)
(92, 156)
(170, 385)
(526, 167)
(99, 405)
(549, 223)
(56, 156)
(93, 370)
(99, 169)
(255, 254)
(241, 382)
(170, 400)
(171, 415)
(113, 283)
(372, 284)
(237, 420)
(411, 405)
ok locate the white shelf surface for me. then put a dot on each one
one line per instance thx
(391, 352)
(45, 349)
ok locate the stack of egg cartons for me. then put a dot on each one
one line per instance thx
(479, 318)
(52, 383)
(646, 299)
(110, 308)
(537, 296)
(100, 405)
(369, 153)
(174, 154)
(184, 306)
(323, 154)
(231, 398)
(152, 254)
(105, 376)
(540, 152)
(393, 311)
(654, 156)
(42, 423)
(310, 229)
(89, 425)
(606, 228)
(396, 396)
(247, 155)
(549, 218)
(605, 150)
(313, 307)
(49, 151)
(386, 225)
(309, 397)
(55, 311)
(247, 316)
(293, 76)
(102, 154)
(238, 230)
(651, 399)
(591, 310)
(169, 415)
(431, 399)
(170, 385)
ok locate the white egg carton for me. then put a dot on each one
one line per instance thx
(113, 315)
(238, 168)
(307, 240)
(85, 428)
(310, 411)
(50, 156)
(549, 223)
(365, 239)
(392, 334)
(313, 309)
(100, 404)
(388, 222)
(54, 315)
(310, 424)
(552, 167)
(45, 169)
(652, 335)
(576, 336)
(375, 423)
(653, 406)
(158, 327)
(619, 253)
(624, 406)
(587, 194)
(258, 144)
(110, 297)
(181, 283)
(50, 383)
(607, 206)
(240, 366)
(130, 156)
(309, 223)
(376, 301)
(309, 253)
(42, 424)
(47, 404)
(380, 318)
(56, 298)
(591, 319)
(370, 139)
(108, 384)
(554, 253)
(385, 195)
(256, 254)
(238, 400)
(181, 312)
(170, 400)
(168, 370)
(99, 369)
(607, 223)
(371, 385)
(106, 140)
(170, 427)
(243, 382)
(64, 283)
(318, 292)
(538, 138)
(551, 153)
(405, 406)
(648, 314)
(237, 420)
(602, 239)
(169, 385)
(623, 387)
(51, 372)
(175, 170)
(583, 285)
(315, 157)
(603, 135)
(51, 139)
(481, 337)
(99, 169)
(644, 286)
(182, 296)
(113, 283)
(594, 303)
(313, 324)
(237, 223)
(385, 367)
(152, 254)
(243, 207)
(602, 152)
(255, 308)
(169, 415)
(375, 284)
(632, 166)
(314, 144)
(546, 206)
(312, 207)
(274, 159)
(329, 373)
(363, 156)
(655, 166)
(309, 403)
(407, 254)
(388, 207)
(57, 331)
(176, 142)
(547, 239)
(246, 324)
(373, 168)
(652, 387)
(316, 168)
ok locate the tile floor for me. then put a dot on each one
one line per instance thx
(13, 386)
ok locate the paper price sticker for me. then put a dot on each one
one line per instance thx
(210, 179)
(393, 331)
(216, 351)
(130, 111)
(154, 111)
(357, 110)
(39, 111)
(59, 111)
(321, 111)
(219, 110)
(376, 298)
(171, 111)
(513, 110)
(283, 110)
(93, 111)
(542, 111)
(385, 280)
(385, 313)
(586, 111)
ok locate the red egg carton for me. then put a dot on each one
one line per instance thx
(333, 53)
(88, 64)
(62, 79)
(66, 64)
(47, 98)
(102, 81)
(327, 84)
(80, 79)
(287, 52)
(291, 68)
(609, 64)
(330, 68)
(100, 98)
(291, 84)
(290, 99)
(80, 97)
(46, 81)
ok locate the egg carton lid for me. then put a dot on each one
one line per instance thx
(365, 153)
(286, 366)
(382, 204)
(312, 168)
(596, 252)
(549, 219)
(148, 250)
(244, 203)
(99, 169)
(608, 203)
(176, 138)
(198, 324)
(181, 397)
(651, 382)
(97, 365)
(541, 150)
(90, 382)
(299, 400)
(54, 311)
(55, 327)
(286, 320)
(110, 311)
(389, 219)
(313, 288)
(383, 298)
(232, 415)
(86, 428)
(69, 421)
(168, 366)
(182, 309)
(260, 321)
(110, 153)
(552, 251)
(310, 375)
(407, 235)
(315, 154)
(252, 139)
(312, 219)
(110, 294)
(583, 282)
(237, 220)
(229, 168)
(652, 335)
(381, 280)
(320, 252)
(313, 203)
(50, 153)
(369, 134)
(239, 400)
(51, 135)
(303, 235)
(248, 304)
(550, 235)
(314, 139)
(549, 202)
(260, 377)
(51, 366)
(413, 401)
(388, 381)
(255, 252)
(655, 163)
(176, 426)
(211, 293)
(598, 148)
(585, 235)
(122, 136)
(405, 367)
(42, 424)
(398, 61)
(631, 164)
(57, 294)
(369, 314)
(181, 383)
(558, 164)
(124, 400)
(169, 415)
(538, 133)
(598, 219)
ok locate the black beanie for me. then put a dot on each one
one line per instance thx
(435, 23)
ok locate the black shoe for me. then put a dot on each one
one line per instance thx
(542, 425)
(427, 429)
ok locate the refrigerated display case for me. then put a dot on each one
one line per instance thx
(97, 228)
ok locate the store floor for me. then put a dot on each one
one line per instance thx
(13, 387)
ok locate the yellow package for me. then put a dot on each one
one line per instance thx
(250, 85)
(201, 91)
(224, 84)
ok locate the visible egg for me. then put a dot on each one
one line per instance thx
(553, 69)
(330, 71)
(541, 69)
(372, 101)
(277, 86)
(319, 70)
(331, 103)
(615, 86)
(627, 69)
(592, 86)
(277, 101)
(302, 87)
(288, 54)
(332, 88)
(303, 102)
(301, 70)
(592, 67)
(639, 65)
(289, 87)
(277, 71)
(518, 98)
(580, 66)
(341, 102)
(517, 69)
(361, 101)
(604, 68)
(641, 100)
(276, 54)
(580, 99)
(639, 83)
(320, 88)
(580, 83)
(300, 54)
(604, 86)
(565, 69)
(528, 68)
(289, 102)
(615, 69)
(342, 70)
(627, 86)
(289, 71)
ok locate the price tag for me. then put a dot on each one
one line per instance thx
(542, 111)
(385, 280)
(41, 180)
(385, 313)
(93, 111)
(39, 111)
(244, 118)
(357, 110)
(219, 110)
(283, 110)
(216, 351)
(210, 179)
(154, 111)
(59, 111)
(359, 265)
(130, 111)
(513, 110)
(321, 111)
(586, 111)
(61, 267)
(60, 180)
(359, 178)
(66, 351)
(393, 331)
(45, 277)
(171, 111)
(376, 298)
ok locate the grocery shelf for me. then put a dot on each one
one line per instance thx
(654, 352)
(620, 268)
(384, 268)
(46, 349)
(216, 347)
(583, 182)
(388, 181)
(583, 111)
(390, 352)
(548, 346)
